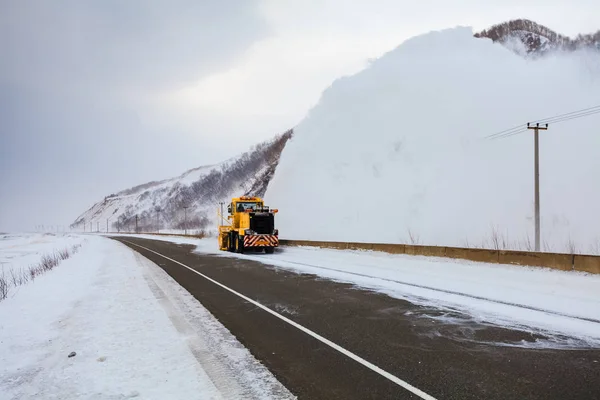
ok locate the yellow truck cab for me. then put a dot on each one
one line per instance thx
(249, 225)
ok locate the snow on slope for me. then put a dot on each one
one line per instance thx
(135, 331)
(200, 189)
(397, 151)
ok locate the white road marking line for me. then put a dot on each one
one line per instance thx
(315, 335)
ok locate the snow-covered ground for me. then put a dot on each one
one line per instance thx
(18, 251)
(135, 331)
(563, 305)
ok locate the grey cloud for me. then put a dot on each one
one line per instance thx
(130, 43)
(70, 131)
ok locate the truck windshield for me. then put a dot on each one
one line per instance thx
(241, 207)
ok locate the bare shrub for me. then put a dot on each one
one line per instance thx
(505, 242)
(571, 246)
(63, 254)
(13, 277)
(527, 243)
(414, 238)
(495, 239)
(3, 287)
(48, 262)
(483, 245)
(23, 277)
(595, 247)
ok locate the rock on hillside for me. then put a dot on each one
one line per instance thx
(529, 38)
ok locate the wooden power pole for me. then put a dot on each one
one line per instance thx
(185, 219)
(537, 128)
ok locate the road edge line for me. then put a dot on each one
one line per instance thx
(313, 334)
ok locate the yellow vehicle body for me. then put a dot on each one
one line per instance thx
(248, 226)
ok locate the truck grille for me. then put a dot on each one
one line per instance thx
(262, 223)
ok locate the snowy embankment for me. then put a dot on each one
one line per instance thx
(135, 332)
(398, 152)
(563, 305)
(23, 257)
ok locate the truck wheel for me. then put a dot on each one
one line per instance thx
(232, 242)
(239, 244)
(269, 250)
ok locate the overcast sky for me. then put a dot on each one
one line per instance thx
(98, 96)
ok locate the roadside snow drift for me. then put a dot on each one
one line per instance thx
(396, 153)
(134, 331)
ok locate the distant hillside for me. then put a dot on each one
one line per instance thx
(199, 189)
(530, 38)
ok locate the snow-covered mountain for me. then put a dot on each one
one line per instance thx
(529, 38)
(193, 196)
(398, 152)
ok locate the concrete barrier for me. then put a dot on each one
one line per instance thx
(389, 248)
(479, 255)
(586, 263)
(549, 260)
(360, 246)
(564, 262)
(433, 251)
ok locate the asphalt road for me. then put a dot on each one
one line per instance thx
(458, 360)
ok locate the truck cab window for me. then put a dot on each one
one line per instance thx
(244, 206)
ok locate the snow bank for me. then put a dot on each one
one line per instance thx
(553, 303)
(396, 152)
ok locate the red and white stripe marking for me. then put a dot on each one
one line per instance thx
(261, 241)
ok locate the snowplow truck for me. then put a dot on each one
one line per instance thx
(249, 226)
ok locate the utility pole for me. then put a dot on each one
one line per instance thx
(157, 214)
(136, 223)
(537, 128)
(185, 219)
(97, 226)
(106, 225)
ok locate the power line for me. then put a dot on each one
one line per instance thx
(508, 134)
(576, 116)
(554, 120)
(549, 119)
(505, 131)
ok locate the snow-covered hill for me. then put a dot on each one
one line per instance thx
(398, 151)
(199, 189)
